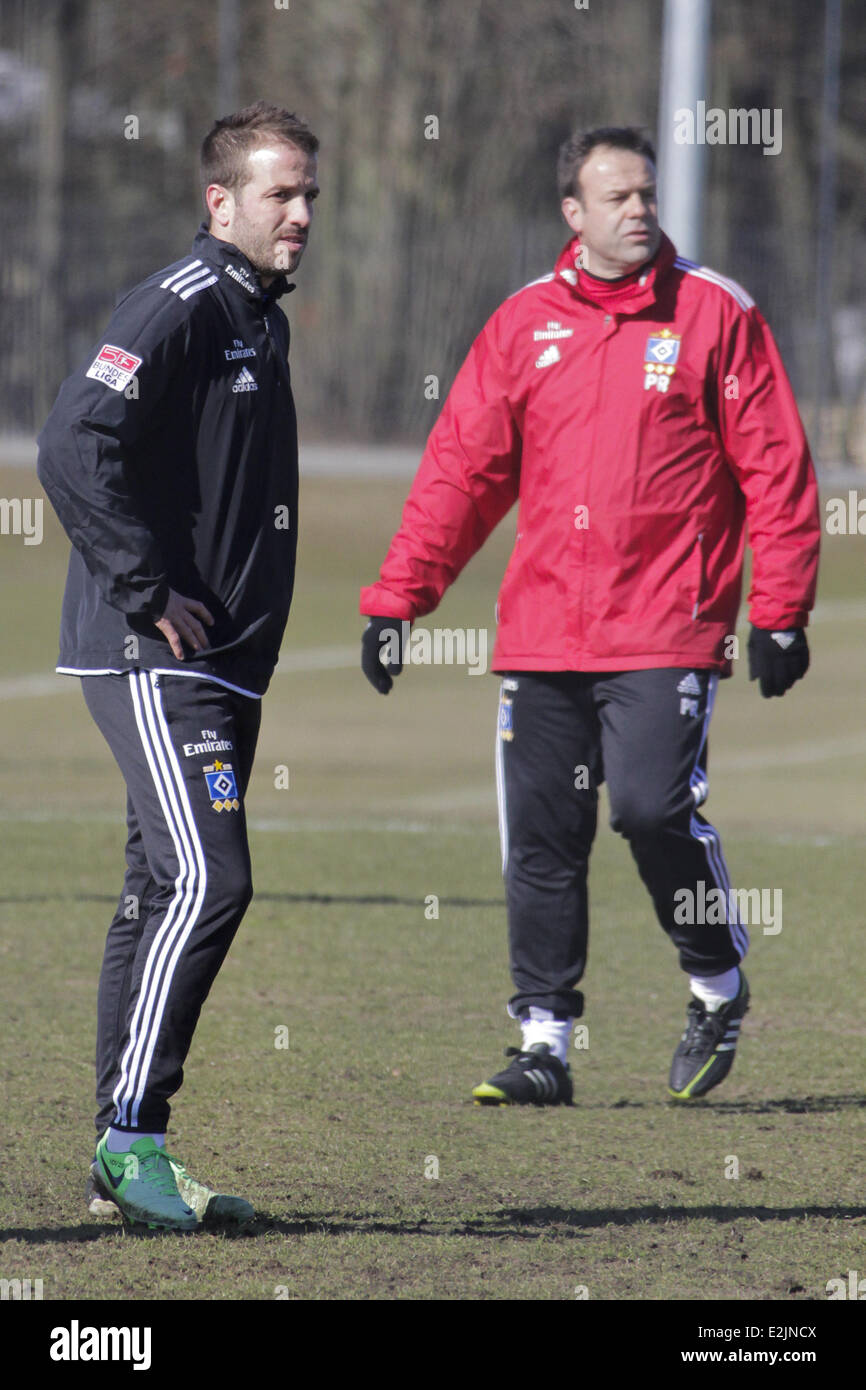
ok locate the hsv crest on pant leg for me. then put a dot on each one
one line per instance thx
(222, 786)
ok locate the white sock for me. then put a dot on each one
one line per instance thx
(716, 990)
(542, 1027)
(120, 1141)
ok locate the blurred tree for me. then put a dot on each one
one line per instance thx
(440, 122)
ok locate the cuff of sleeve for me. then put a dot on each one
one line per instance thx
(378, 602)
(152, 603)
(787, 622)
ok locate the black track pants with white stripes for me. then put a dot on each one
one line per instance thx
(185, 748)
(559, 736)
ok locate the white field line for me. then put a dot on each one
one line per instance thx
(291, 825)
(291, 664)
(377, 827)
(23, 687)
(817, 750)
(320, 659)
(343, 658)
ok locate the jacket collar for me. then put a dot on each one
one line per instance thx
(645, 287)
(235, 267)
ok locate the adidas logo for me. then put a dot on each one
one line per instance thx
(544, 1083)
(689, 685)
(245, 381)
(548, 357)
(731, 1038)
(784, 639)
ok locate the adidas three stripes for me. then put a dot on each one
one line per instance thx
(185, 747)
(644, 733)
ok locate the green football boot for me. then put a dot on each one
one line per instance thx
(211, 1208)
(142, 1185)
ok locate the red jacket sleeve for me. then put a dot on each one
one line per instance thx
(468, 478)
(768, 453)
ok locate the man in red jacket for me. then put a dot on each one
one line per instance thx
(637, 407)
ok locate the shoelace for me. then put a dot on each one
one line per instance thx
(537, 1059)
(156, 1170)
(702, 1026)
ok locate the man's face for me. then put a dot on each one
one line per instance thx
(616, 215)
(268, 218)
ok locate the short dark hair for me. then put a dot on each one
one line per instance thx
(574, 153)
(227, 144)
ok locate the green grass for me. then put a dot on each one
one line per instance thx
(392, 1017)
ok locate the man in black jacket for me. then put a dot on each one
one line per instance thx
(171, 461)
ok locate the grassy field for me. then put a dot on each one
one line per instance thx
(372, 1173)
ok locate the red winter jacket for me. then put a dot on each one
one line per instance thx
(639, 436)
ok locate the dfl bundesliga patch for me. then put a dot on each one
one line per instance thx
(114, 367)
(222, 787)
(660, 359)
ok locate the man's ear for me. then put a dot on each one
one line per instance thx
(573, 214)
(220, 204)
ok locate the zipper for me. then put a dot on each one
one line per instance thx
(590, 454)
(700, 574)
(282, 367)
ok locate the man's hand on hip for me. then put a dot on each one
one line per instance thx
(382, 652)
(777, 659)
(180, 623)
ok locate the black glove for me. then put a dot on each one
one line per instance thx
(777, 659)
(378, 631)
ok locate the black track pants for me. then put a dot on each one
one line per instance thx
(187, 881)
(559, 736)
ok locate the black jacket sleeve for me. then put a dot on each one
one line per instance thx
(87, 448)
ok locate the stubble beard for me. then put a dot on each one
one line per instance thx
(265, 258)
(269, 260)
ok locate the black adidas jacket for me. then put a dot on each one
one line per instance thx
(170, 458)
